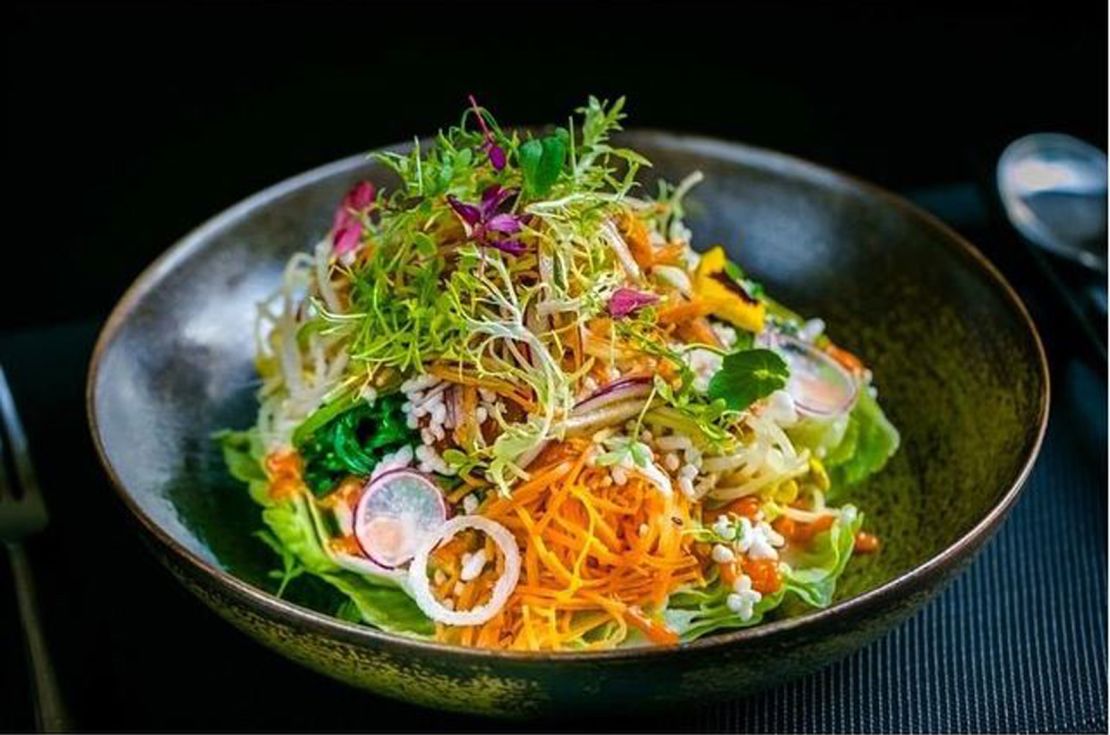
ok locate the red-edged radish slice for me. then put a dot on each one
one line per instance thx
(818, 384)
(502, 589)
(395, 513)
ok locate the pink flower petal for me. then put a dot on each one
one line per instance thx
(625, 301)
(360, 196)
(346, 238)
(342, 218)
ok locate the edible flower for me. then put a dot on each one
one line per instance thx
(625, 301)
(715, 284)
(485, 225)
(347, 223)
(496, 154)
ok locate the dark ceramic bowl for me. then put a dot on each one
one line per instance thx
(959, 364)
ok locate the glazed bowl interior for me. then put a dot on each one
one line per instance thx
(958, 365)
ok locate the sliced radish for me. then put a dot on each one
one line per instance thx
(502, 589)
(395, 513)
(818, 384)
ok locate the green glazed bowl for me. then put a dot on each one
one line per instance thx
(958, 363)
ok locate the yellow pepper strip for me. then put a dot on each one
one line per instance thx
(727, 301)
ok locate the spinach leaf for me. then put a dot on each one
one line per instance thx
(351, 442)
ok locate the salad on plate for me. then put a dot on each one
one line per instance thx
(507, 404)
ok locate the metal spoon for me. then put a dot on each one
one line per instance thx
(1054, 190)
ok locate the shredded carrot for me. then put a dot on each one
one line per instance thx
(698, 331)
(671, 254)
(597, 557)
(453, 374)
(638, 239)
(682, 312)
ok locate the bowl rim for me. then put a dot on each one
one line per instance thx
(906, 584)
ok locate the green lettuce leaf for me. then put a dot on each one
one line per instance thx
(243, 452)
(294, 535)
(295, 528)
(697, 612)
(382, 605)
(814, 571)
(869, 441)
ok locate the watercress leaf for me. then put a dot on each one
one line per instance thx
(746, 376)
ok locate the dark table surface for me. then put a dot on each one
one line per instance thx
(1017, 642)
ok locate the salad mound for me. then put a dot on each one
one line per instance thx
(507, 405)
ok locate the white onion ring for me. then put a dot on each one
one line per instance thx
(422, 591)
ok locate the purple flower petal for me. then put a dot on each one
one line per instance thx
(504, 223)
(346, 238)
(625, 301)
(469, 214)
(494, 197)
(496, 157)
(360, 196)
(511, 247)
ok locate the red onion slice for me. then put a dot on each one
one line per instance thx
(395, 513)
(621, 389)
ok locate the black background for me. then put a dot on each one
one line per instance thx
(127, 125)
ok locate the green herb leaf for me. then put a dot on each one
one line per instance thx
(746, 376)
(541, 161)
